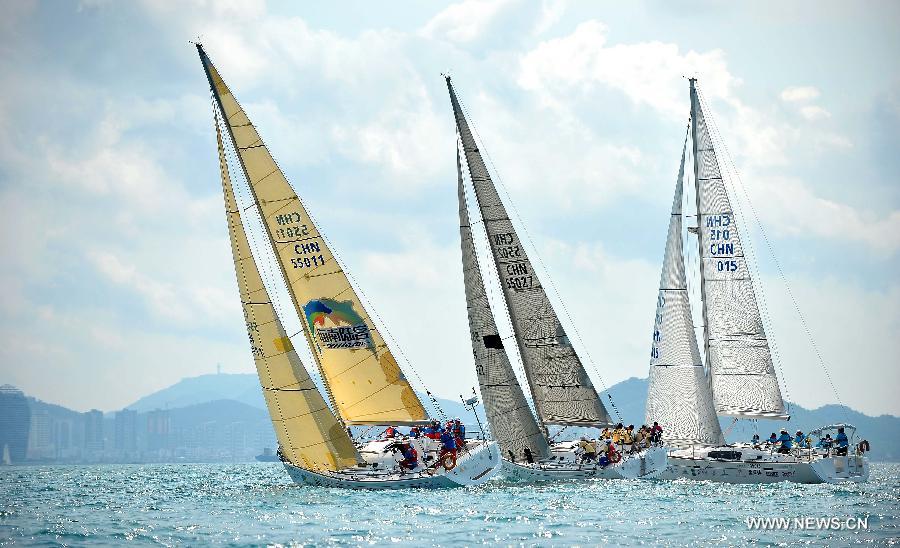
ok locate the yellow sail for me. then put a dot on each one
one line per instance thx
(363, 379)
(308, 433)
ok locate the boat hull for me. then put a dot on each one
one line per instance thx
(767, 468)
(473, 467)
(648, 464)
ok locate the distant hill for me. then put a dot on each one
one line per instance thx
(242, 388)
(629, 397)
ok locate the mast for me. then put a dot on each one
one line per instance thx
(513, 426)
(679, 396)
(562, 390)
(364, 381)
(694, 108)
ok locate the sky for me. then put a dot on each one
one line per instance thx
(117, 275)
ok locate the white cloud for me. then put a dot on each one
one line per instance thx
(551, 12)
(799, 94)
(814, 112)
(465, 21)
(789, 205)
(649, 73)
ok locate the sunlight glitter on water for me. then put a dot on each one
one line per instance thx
(256, 504)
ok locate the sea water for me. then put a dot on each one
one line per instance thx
(256, 504)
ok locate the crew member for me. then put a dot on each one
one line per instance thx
(448, 445)
(410, 457)
(589, 452)
(842, 442)
(786, 442)
(459, 433)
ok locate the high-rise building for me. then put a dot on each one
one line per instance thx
(15, 422)
(158, 428)
(126, 430)
(93, 430)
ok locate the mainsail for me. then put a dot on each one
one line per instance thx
(363, 379)
(562, 390)
(512, 425)
(737, 351)
(679, 396)
(308, 433)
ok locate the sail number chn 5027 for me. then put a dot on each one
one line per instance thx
(517, 275)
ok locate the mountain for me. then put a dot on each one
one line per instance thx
(242, 388)
(629, 398)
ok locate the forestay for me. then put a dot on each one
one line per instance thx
(562, 391)
(308, 433)
(679, 396)
(364, 381)
(512, 424)
(738, 355)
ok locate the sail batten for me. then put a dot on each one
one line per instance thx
(308, 433)
(739, 359)
(513, 426)
(679, 395)
(561, 388)
(361, 376)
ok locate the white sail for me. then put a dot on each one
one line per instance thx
(513, 426)
(737, 351)
(679, 396)
(562, 390)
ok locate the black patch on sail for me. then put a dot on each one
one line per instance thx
(493, 341)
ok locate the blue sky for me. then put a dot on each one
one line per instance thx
(117, 273)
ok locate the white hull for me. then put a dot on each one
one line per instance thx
(647, 464)
(473, 467)
(759, 466)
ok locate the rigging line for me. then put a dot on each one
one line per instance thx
(541, 261)
(777, 266)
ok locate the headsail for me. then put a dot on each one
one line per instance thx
(512, 425)
(364, 381)
(562, 390)
(308, 433)
(679, 397)
(737, 351)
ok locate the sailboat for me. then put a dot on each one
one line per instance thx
(561, 389)
(363, 382)
(739, 378)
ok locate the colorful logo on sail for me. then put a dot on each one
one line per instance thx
(336, 324)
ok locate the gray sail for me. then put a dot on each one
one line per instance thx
(513, 426)
(679, 397)
(737, 351)
(562, 391)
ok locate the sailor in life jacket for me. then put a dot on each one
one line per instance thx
(448, 444)
(410, 457)
(433, 431)
(459, 433)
